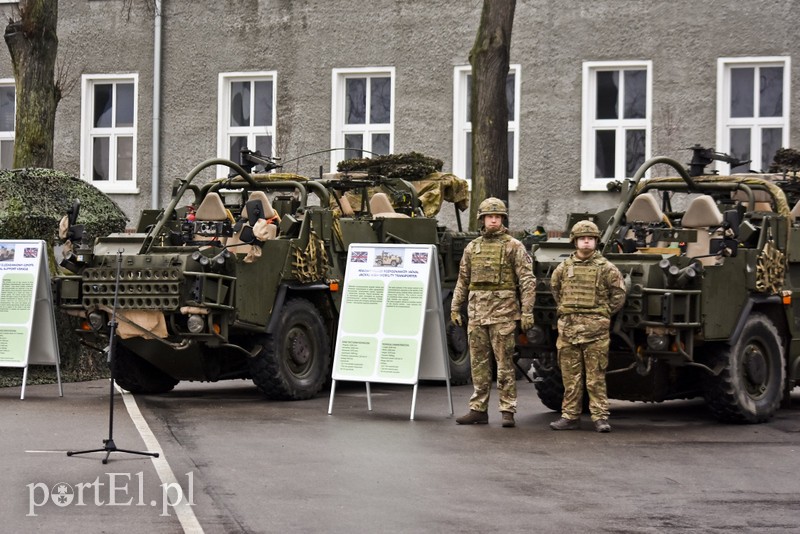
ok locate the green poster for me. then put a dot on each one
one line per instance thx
(405, 304)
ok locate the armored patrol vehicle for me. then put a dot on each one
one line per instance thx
(713, 299)
(242, 282)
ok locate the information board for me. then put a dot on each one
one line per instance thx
(391, 324)
(27, 322)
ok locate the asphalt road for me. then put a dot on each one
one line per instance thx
(245, 464)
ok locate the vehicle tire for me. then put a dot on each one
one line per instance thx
(548, 385)
(750, 386)
(294, 361)
(457, 347)
(137, 375)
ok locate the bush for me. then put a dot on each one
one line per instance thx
(32, 203)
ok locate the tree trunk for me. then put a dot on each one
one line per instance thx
(33, 44)
(489, 58)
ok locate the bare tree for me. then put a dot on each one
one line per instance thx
(489, 58)
(33, 44)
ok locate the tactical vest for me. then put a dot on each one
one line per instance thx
(579, 289)
(489, 269)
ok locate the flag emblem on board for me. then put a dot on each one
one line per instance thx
(358, 256)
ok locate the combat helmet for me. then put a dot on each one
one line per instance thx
(584, 228)
(492, 206)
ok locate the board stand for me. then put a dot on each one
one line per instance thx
(439, 312)
(41, 348)
(25, 381)
(108, 444)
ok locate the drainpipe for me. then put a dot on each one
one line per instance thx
(155, 178)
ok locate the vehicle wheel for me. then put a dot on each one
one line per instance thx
(548, 384)
(138, 375)
(750, 386)
(294, 362)
(457, 347)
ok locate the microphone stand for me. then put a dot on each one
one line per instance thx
(108, 444)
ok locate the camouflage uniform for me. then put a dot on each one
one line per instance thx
(587, 293)
(493, 268)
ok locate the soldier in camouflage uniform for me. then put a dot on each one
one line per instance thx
(588, 290)
(494, 269)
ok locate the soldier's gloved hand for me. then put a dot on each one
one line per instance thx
(526, 322)
(456, 319)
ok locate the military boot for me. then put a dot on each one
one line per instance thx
(601, 425)
(508, 419)
(565, 424)
(474, 417)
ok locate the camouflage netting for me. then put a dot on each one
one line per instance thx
(410, 166)
(32, 202)
(439, 187)
(433, 187)
(787, 160)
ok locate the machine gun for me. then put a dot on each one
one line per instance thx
(249, 159)
(702, 156)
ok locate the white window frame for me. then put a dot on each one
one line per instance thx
(223, 113)
(6, 135)
(88, 81)
(590, 125)
(338, 126)
(461, 127)
(725, 122)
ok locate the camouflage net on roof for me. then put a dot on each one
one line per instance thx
(432, 192)
(409, 166)
(787, 160)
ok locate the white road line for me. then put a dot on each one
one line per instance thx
(183, 510)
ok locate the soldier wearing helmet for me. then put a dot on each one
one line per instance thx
(588, 290)
(496, 281)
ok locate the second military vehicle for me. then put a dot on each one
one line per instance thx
(713, 299)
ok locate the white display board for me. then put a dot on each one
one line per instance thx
(391, 323)
(27, 322)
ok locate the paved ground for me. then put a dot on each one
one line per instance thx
(250, 465)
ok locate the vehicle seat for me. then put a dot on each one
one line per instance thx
(642, 216)
(380, 206)
(703, 215)
(211, 209)
(762, 199)
(644, 209)
(347, 208)
(271, 230)
(795, 213)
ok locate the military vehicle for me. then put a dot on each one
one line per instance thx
(386, 258)
(244, 282)
(713, 299)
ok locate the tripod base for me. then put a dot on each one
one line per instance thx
(110, 447)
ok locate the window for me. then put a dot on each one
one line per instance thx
(246, 115)
(462, 123)
(616, 121)
(752, 110)
(7, 118)
(362, 113)
(108, 140)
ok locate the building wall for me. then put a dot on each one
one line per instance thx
(424, 40)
